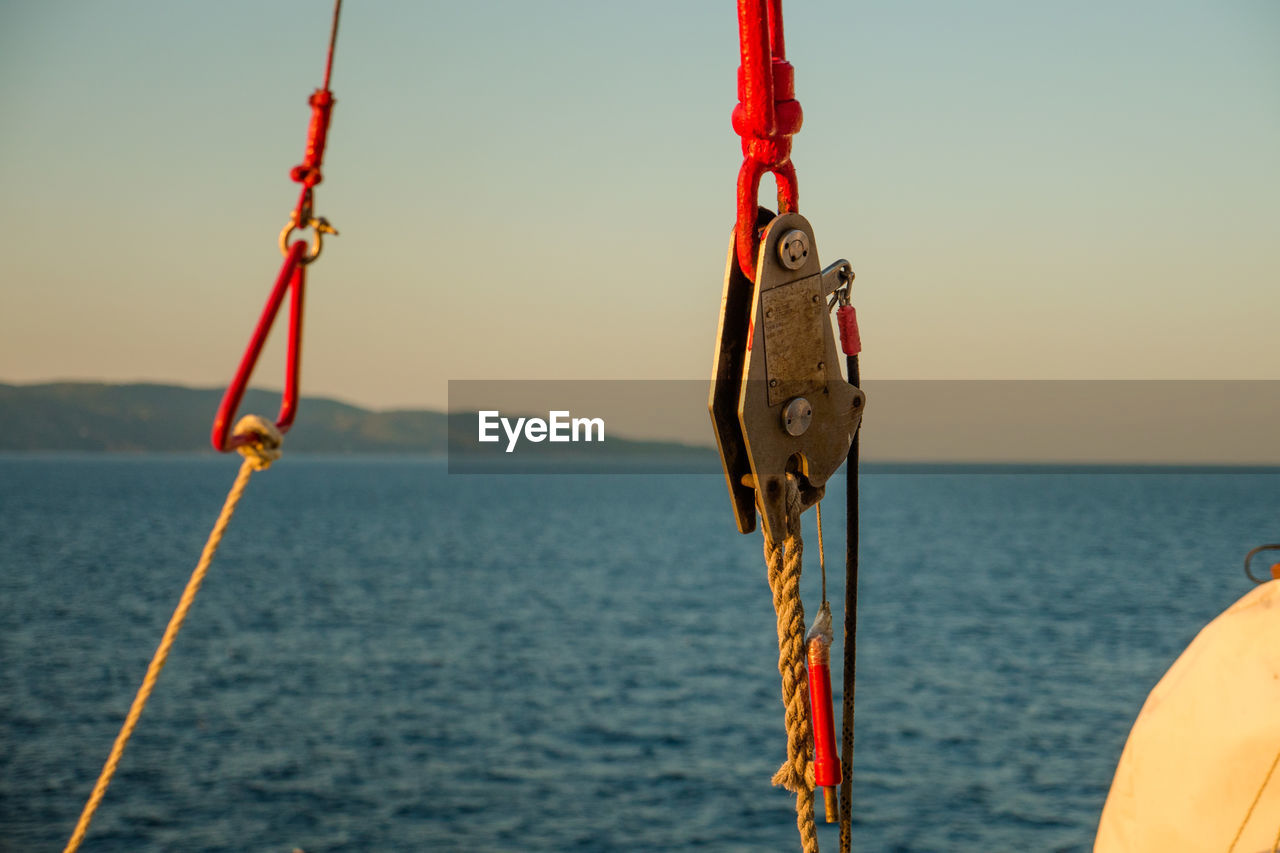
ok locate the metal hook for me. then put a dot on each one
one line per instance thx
(1248, 558)
(841, 292)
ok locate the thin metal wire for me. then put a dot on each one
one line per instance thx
(333, 40)
(822, 555)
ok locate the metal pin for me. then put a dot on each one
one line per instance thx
(830, 805)
(793, 249)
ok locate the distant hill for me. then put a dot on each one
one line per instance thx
(91, 416)
(96, 416)
(1231, 423)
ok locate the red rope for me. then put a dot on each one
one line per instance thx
(766, 118)
(307, 172)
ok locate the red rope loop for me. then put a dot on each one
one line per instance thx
(766, 117)
(293, 279)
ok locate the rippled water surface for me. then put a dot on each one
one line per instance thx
(385, 657)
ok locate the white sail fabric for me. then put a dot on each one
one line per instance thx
(1200, 766)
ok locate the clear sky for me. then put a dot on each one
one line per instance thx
(545, 190)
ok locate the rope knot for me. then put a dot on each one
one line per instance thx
(264, 447)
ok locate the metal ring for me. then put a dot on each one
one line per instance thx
(1248, 558)
(317, 244)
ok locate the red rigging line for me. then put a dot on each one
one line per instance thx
(766, 118)
(292, 275)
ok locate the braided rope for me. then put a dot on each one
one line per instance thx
(257, 457)
(796, 773)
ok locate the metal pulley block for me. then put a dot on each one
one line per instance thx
(779, 402)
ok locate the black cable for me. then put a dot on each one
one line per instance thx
(850, 625)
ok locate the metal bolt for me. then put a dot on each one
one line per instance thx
(773, 383)
(793, 249)
(796, 416)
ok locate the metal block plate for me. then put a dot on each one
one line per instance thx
(793, 338)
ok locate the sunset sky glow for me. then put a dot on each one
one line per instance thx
(545, 190)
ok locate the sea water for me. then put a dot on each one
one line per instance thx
(386, 657)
